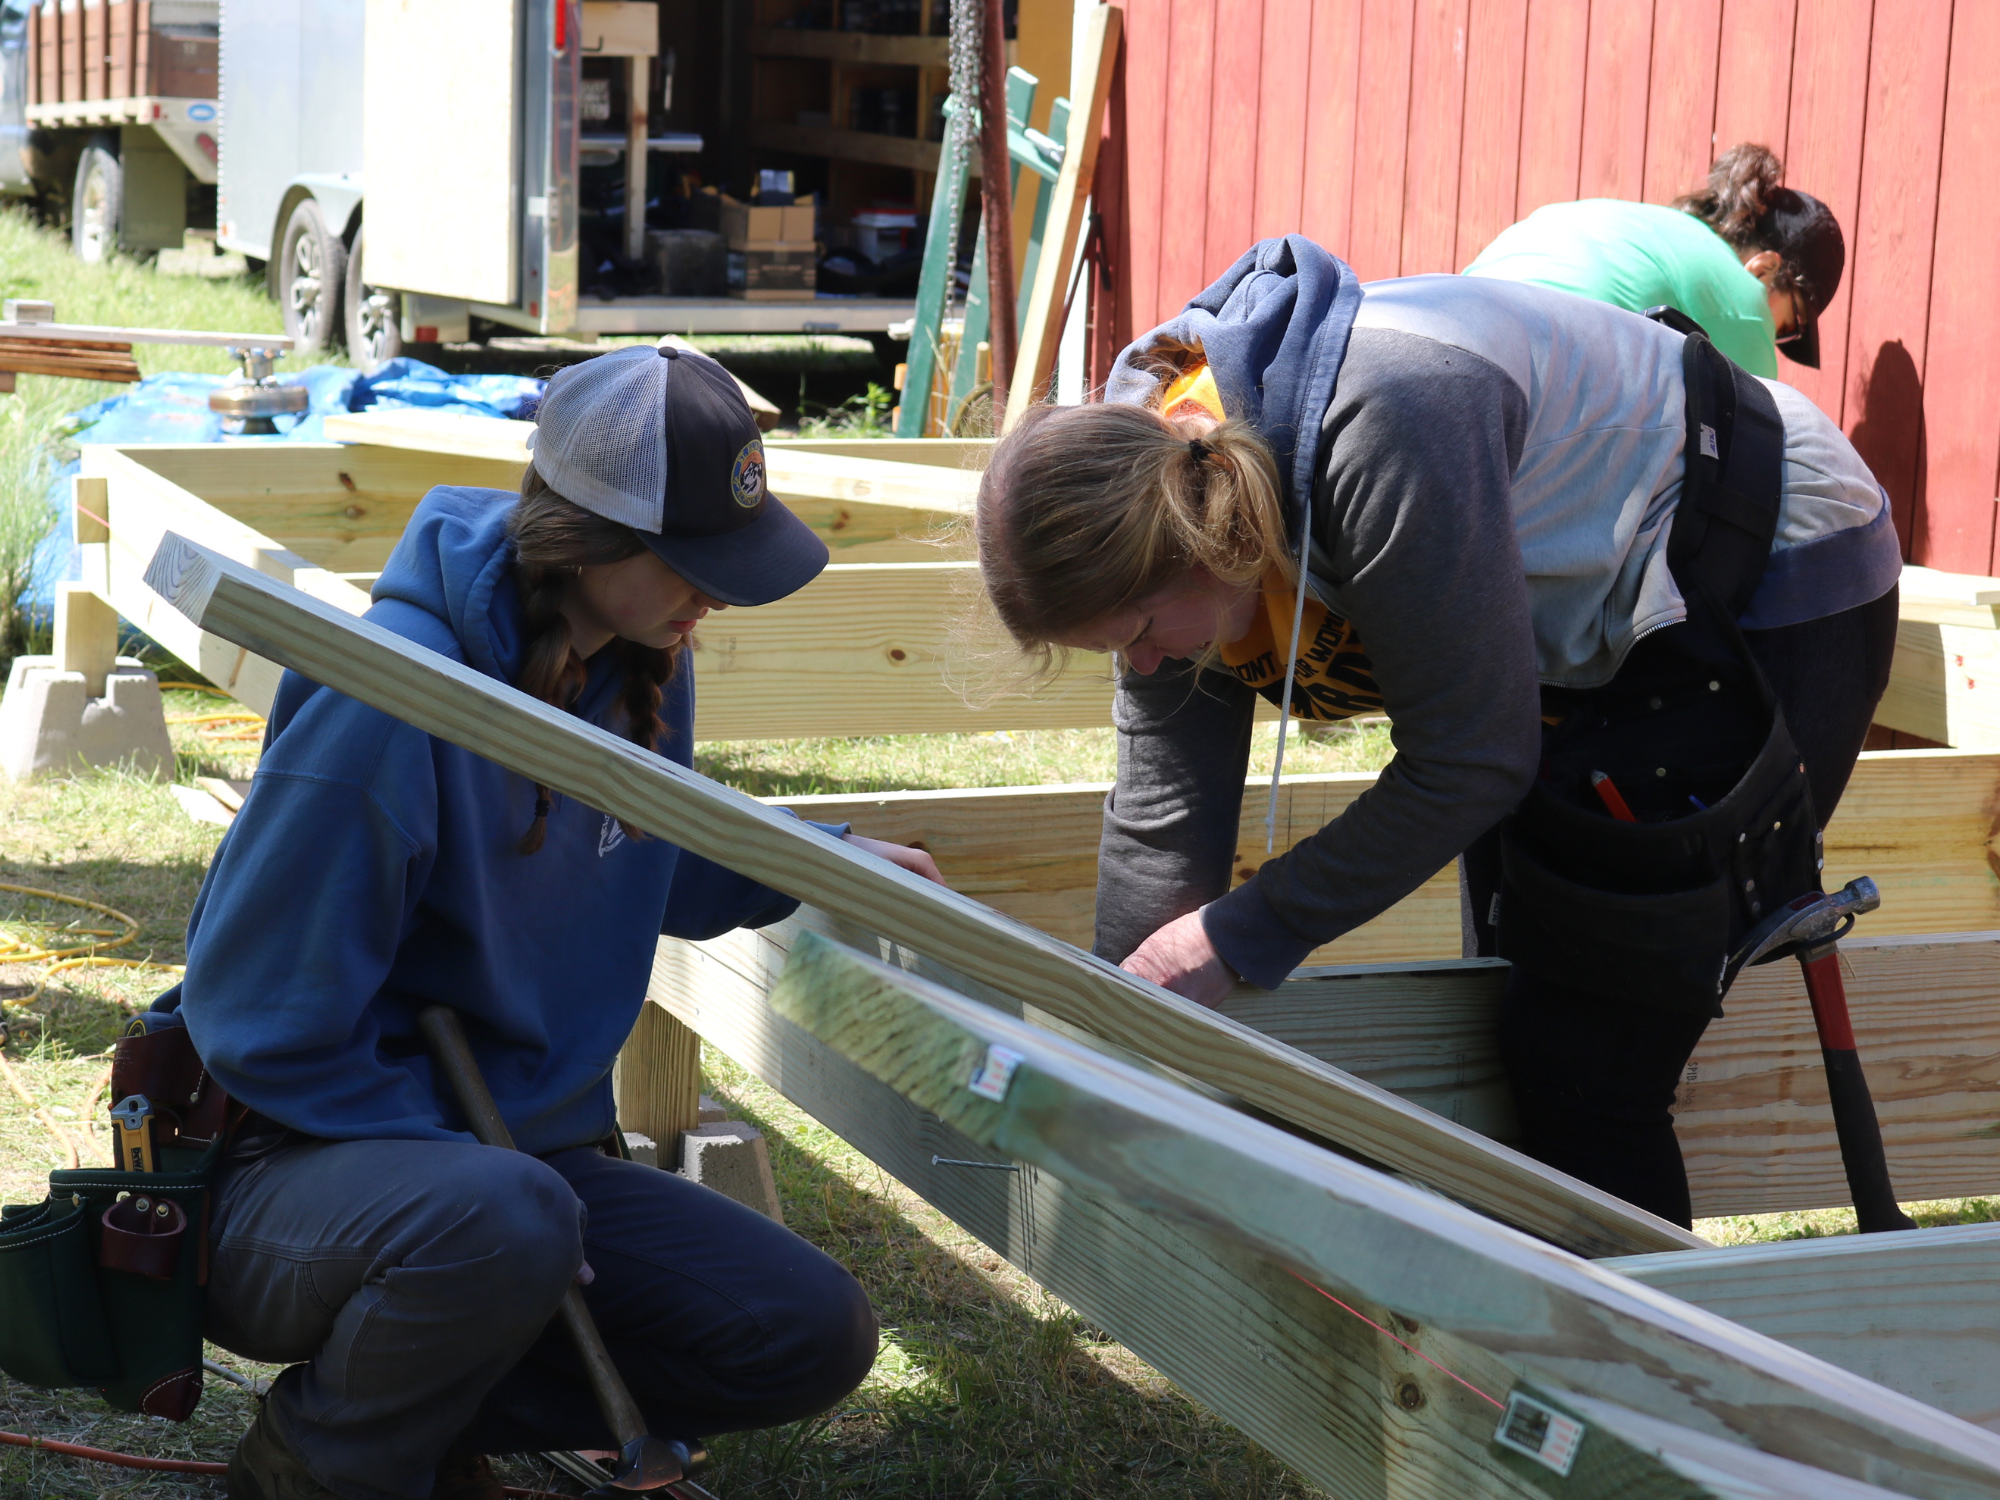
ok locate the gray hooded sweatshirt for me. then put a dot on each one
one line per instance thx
(1492, 490)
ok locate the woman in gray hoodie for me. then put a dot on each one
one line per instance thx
(1448, 500)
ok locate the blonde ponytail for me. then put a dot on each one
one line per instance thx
(1086, 509)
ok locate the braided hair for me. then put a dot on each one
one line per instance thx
(553, 541)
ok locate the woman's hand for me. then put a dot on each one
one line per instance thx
(1180, 957)
(916, 861)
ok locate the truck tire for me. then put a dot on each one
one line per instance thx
(97, 206)
(374, 314)
(312, 274)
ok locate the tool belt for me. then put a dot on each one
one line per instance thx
(1691, 733)
(102, 1284)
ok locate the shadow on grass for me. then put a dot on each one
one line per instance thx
(985, 1385)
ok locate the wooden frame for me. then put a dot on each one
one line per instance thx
(1502, 1313)
(1918, 821)
(1754, 1120)
(875, 636)
(1176, 1217)
(442, 697)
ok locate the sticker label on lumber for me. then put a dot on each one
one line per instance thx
(1543, 1433)
(994, 1074)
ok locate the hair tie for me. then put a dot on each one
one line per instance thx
(1197, 449)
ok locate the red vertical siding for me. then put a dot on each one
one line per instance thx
(1404, 134)
(1612, 159)
(1961, 372)
(1552, 102)
(1185, 177)
(1680, 104)
(1890, 260)
(1822, 151)
(1753, 73)
(1437, 122)
(1489, 170)
(1326, 201)
(1283, 91)
(1232, 150)
(1381, 138)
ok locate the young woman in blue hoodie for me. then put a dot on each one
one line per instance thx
(406, 1274)
(1448, 500)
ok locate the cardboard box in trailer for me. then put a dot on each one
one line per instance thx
(108, 112)
(415, 171)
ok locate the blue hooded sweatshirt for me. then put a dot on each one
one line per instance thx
(373, 871)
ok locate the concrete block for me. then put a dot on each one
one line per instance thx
(644, 1149)
(51, 725)
(708, 1112)
(731, 1157)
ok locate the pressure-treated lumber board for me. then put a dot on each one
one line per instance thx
(790, 472)
(872, 648)
(943, 453)
(1918, 1312)
(658, 1081)
(604, 771)
(1919, 822)
(879, 646)
(1334, 1397)
(94, 333)
(1753, 1118)
(1301, 1376)
(1107, 1128)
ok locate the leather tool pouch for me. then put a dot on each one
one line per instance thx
(102, 1284)
(1692, 736)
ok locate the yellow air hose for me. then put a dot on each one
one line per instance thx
(81, 956)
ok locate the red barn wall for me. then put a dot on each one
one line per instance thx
(1404, 134)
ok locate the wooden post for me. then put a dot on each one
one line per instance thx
(86, 635)
(90, 512)
(995, 184)
(1042, 328)
(658, 1081)
(636, 156)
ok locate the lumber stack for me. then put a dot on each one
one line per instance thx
(71, 359)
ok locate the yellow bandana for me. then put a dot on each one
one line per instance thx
(1334, 679)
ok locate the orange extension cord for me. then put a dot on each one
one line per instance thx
(188, 1466)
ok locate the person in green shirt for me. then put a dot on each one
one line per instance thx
(1753, 262)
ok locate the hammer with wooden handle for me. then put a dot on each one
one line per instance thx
(644, 1461)
(1810, 928)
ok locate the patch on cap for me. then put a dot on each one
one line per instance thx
(746, 475)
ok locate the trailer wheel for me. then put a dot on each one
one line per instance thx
(312, 270)
(97, 207)
(374, 314)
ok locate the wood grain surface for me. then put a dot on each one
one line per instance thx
(1920, 822)
(1113, 1130)
(1918, 1312)
(603, 771)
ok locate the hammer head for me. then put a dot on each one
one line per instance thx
(651, 1463)
(1811, 920)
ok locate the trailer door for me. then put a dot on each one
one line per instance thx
(441, 142)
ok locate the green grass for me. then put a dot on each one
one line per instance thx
(985, 1386)
(35, 261)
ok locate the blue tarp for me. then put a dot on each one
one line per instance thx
(173, 408)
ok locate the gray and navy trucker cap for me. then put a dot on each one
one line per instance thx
(661, 440)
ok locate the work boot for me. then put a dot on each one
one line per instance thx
(469, 1478)
(263, 1467)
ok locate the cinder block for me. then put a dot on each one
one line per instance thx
(51, 725)
(731, 1157)
(708, 1112)
(645, 1150)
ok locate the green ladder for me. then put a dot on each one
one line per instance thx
(1040, 154)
